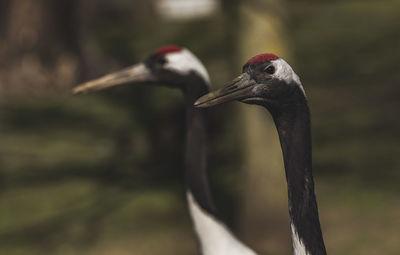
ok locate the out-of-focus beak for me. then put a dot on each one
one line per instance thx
(239, 88)
(137, 73)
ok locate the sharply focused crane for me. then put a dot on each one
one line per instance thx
(269, 81)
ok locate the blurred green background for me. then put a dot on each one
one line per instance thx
(103, 173)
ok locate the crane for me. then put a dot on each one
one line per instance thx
(269, 81)
(177, 67)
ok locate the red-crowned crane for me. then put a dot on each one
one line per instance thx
(269, 81)
(177, 67)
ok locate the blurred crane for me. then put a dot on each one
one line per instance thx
(177, 67)
(269, 81)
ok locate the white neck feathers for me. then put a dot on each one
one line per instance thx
(185, 62)
(298, 245)
(214, 237)
(285, 72)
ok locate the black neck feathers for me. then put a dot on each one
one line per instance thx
(195, 148)
(292, 119)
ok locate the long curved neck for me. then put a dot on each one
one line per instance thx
(294, 128)
(195, 148)
(213, 236)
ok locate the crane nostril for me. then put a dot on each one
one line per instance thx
(231, 87)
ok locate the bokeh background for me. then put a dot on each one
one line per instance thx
(103, 173)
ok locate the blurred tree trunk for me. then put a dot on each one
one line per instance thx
(39, 49)
(264, 219)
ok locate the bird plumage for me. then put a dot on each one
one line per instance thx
(270, 82)
(177, 67)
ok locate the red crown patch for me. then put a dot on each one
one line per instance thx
(167, 49)
(262, 58)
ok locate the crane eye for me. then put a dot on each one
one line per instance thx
(161, 61)
(270, 69)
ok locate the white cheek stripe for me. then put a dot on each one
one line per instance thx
(285, 72)
(298, 245)
(214, 237)
(185, 62)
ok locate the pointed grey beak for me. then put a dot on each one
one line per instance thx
(137, 73)
(239, 88)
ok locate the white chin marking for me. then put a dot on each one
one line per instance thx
(214, 237)
(285, 72)
(298, 245)
(185, 62)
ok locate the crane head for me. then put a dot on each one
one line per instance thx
(171, 66)
(266, 80)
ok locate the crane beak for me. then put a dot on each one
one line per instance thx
(134, 74)
(240, 88)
